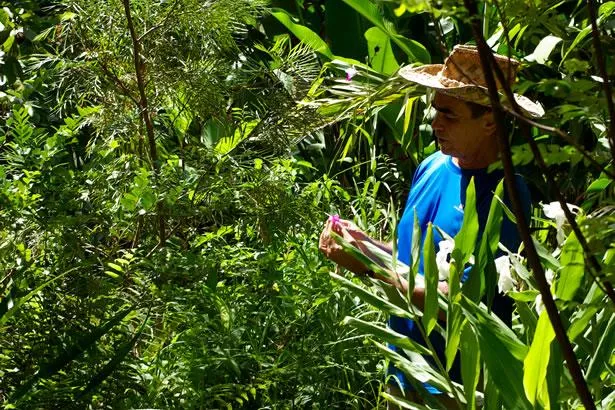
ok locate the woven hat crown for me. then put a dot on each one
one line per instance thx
(463, 67)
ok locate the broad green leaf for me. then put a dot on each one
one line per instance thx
(583, 317)
(465, 240)
(494, 219)
(544, 49)
(430, 308)
(386, 334)
(474, 287)
(547, 259)
(573, 267)
(524, 296)
(554, 376)
(599, 185)
(493, 397)
(380, 53)
(536, 362)
(454, 319)
(604, 351)
(528, 318)
(415, 50)
(491, 277)
(416, 244)
(470, 365)
(345, 39)
(502, 352)
(303, 33)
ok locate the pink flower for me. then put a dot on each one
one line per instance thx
(334, 219)
(350, 72)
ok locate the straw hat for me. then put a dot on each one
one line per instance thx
(461, 76)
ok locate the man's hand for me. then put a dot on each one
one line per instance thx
(333, 251)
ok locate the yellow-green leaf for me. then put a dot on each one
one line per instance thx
(536, 362)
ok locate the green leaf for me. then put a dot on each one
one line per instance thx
(604, 352)
(475, 285)
(430, 309)
(403, 403)
(381, 55)
(11, 312)
(604, 11)
(536, 362)
(583, 317)
(465, 240)
(454, 318)
(599, 185)
(415, 50)
(416, 244)
(303, 33)
(374, 300)
(417, 370)
(470, 365)
(502, 353)
(115, 266)
(386, 334)
(544, 49)
(573, 267)
(554, 376)
(121, 352)
(71, 353)
(524, 296)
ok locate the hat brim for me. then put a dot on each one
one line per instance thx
(427, 75)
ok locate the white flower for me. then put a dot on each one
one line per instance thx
(350, 72)
(442, 257)
(505, 280)
(549, 274)
(554, 211)
(539, 306)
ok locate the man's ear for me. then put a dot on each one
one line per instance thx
(489, 122)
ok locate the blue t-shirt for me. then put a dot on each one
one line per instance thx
(438, 196)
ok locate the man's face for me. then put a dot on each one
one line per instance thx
(460, 135)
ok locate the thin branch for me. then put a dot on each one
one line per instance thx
(162, 23)
(145, 114)
(569, 140)
(119, 83)
(488, 64)
(591, 7)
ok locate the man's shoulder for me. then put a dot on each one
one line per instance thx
(434, 161)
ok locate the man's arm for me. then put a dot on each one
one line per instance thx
(352, 234)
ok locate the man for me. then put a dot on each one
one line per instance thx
(465, 130)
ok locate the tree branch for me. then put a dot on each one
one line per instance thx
(595, 268)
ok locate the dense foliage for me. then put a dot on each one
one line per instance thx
(166, 166)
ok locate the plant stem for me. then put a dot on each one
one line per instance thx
(487, 62)
(144, 108)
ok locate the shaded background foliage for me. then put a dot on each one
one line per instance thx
(258, 136)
